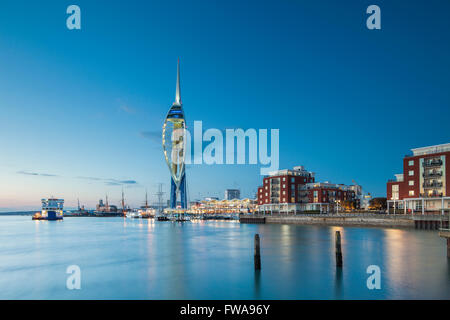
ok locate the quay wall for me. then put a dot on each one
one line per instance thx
(342, 220)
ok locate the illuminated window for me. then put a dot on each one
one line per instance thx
(411, 172)
(411, 162)
(411, 182)
(411, 192)
(395, 193)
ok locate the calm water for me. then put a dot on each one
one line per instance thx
(132, 259)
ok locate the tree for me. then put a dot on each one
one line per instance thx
(349, 204)
(378, 204)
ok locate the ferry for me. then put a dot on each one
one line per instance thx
(52, 209)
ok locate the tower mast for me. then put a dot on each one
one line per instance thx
(178, 90)
(146, 199)
(123, 202)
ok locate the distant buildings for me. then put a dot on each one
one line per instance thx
(231, 194)
(422, 187)
(295, 191)
(105, 207)
(215, 206)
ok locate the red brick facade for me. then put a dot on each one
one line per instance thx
(288, 188)
(294, 187)
(426, 171)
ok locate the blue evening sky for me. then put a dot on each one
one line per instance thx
(81, 111)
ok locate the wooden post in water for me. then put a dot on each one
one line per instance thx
(257, 253)
(338, 250)
(448, 248)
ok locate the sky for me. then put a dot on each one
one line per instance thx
(81, 111)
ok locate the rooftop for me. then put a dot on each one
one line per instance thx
(431, 149)
(297, 171)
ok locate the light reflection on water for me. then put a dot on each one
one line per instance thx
(147, 259)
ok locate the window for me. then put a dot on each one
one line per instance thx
(293, 180)
(260, 195)
(411, 192)
(410, 162)
(266, 187)
(284, 192)
(411, 182)
(284, 186)
(395, 193)
(411, 172)
(284, 178)
(266, 194)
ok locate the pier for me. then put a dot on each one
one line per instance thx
(251, 219)
(425, 222)
(445, 233)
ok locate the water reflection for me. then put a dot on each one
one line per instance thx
(148, 259)
(338, 288)
(257, 284)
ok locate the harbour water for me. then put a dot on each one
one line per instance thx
(146, 259)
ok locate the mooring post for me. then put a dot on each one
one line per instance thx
(448, 248)
(257, 253)
(338, 249)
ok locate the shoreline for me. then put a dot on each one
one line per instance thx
(426, 222)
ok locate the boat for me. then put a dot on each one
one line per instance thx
(163, 218)
(52, 209)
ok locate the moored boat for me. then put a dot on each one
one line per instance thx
(52, 209)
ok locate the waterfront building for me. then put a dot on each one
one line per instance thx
(231, 194)
(295, 191)
(173, 142)
(215, 206)
(422, 187)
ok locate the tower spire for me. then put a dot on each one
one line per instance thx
(178, 92)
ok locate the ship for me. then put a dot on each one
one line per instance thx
(52, 209)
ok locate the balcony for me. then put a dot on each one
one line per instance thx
(432, 174)
(432, 195)
(303, 194)
(432, 185)
(432, 163)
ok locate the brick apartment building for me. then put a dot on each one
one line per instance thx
(422, 187)
(293, 191)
